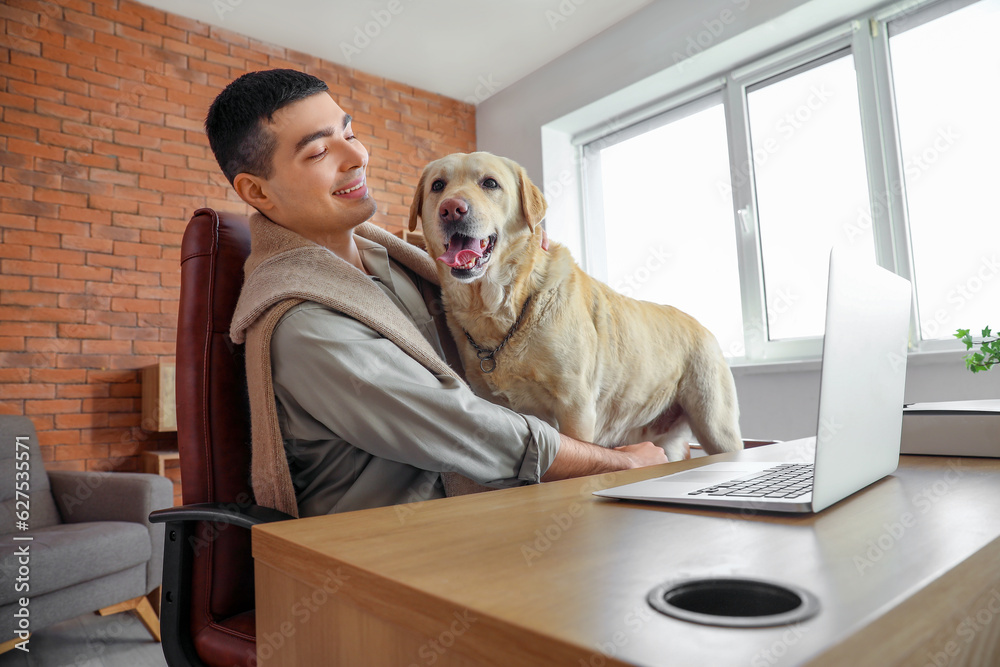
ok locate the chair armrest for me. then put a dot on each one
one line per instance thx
(179, 549)
(115, 496)
(243, 516)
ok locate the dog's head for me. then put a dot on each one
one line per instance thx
(477, 209)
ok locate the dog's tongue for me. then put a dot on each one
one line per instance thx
(461, 250)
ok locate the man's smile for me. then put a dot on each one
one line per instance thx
(356, 190)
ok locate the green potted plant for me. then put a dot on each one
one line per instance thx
(989, 351)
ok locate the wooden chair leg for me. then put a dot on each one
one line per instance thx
(154, 599)
(143, 610)
(148, 617)
(8, 645)
(127, 605)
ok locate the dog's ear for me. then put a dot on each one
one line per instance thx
(532, 201)
(418, 201)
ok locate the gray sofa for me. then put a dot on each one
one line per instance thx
(91, 548)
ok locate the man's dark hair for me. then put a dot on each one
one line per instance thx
(235, 122)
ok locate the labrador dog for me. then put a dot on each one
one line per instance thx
(540, 336)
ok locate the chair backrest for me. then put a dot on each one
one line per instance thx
(213, 415)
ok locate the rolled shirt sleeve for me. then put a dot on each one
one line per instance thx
(337, 380)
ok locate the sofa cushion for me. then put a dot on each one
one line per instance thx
(67, 603)
(67, 554)
(41, 508)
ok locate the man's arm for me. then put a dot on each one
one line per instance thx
(577, 458)
(337, 378)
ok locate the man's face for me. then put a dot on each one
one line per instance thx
(318, 184)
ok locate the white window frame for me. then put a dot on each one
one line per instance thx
(866, 39)
(884, 121)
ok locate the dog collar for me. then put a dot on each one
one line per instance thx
(487, 358)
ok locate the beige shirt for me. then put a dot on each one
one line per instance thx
(365, 425)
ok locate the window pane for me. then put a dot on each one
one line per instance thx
(812, 188)
(947, 101)
(670, 235)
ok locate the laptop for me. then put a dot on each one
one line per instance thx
(860, 410)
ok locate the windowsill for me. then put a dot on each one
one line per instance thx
(743, 367)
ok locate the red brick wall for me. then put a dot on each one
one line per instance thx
(103, 160)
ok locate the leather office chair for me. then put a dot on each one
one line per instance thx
(207, 608)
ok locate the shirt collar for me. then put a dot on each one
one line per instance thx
(375, 259)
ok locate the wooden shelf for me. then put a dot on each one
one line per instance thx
(155, 461)
(159, 407)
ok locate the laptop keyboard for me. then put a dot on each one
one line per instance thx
(788, 480)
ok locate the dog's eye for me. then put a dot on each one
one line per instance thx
(437, 186)
(490, 183)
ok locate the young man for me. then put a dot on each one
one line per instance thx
(352, 403)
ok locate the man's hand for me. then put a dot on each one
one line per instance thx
(643, 454)
(576, 458)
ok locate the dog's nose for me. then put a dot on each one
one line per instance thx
(453, 209)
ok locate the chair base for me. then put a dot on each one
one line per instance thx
(143, 609)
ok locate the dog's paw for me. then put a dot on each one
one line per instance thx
(677, 451)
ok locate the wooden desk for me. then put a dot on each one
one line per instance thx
(907, 572)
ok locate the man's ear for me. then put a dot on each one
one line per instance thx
(532, 201)
(248, 187)
(418, 201)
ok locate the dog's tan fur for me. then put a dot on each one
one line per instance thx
(598, 366)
